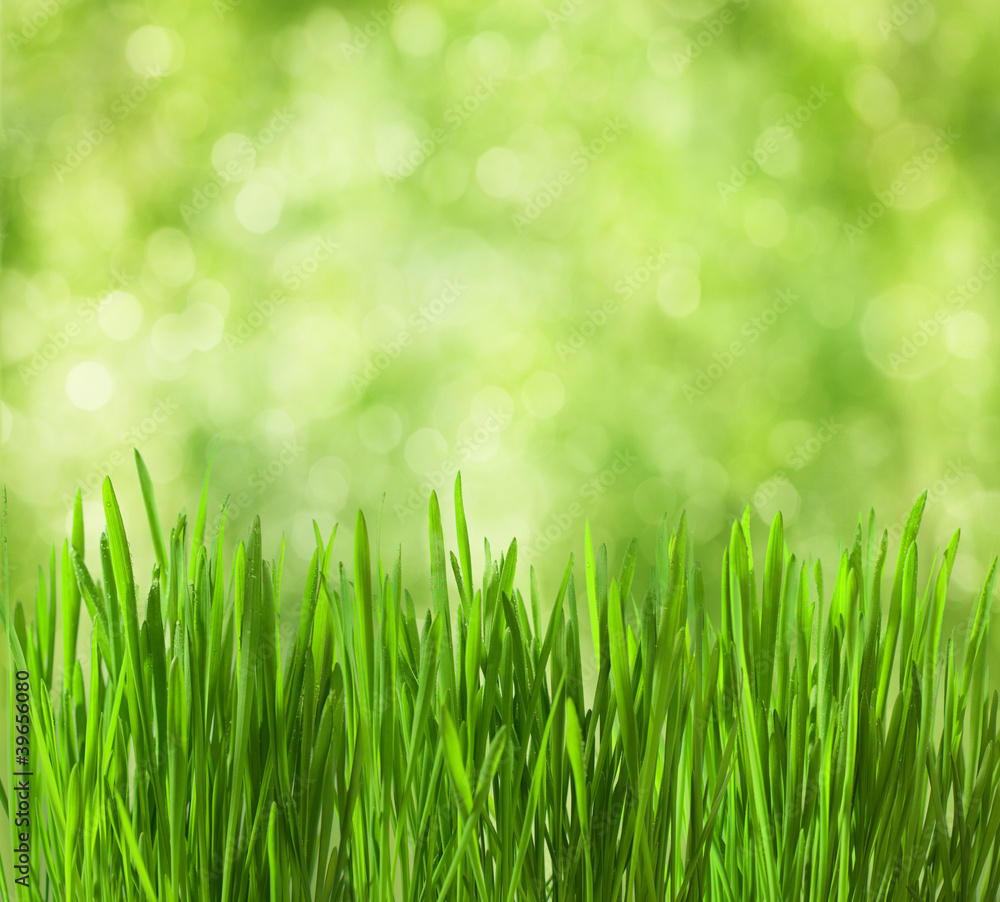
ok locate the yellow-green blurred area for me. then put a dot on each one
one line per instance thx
(611, 261)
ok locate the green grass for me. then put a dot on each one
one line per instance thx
(485, 751)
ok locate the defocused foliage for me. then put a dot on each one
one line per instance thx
(611, 260)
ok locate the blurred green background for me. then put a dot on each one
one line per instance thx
(611, 261)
